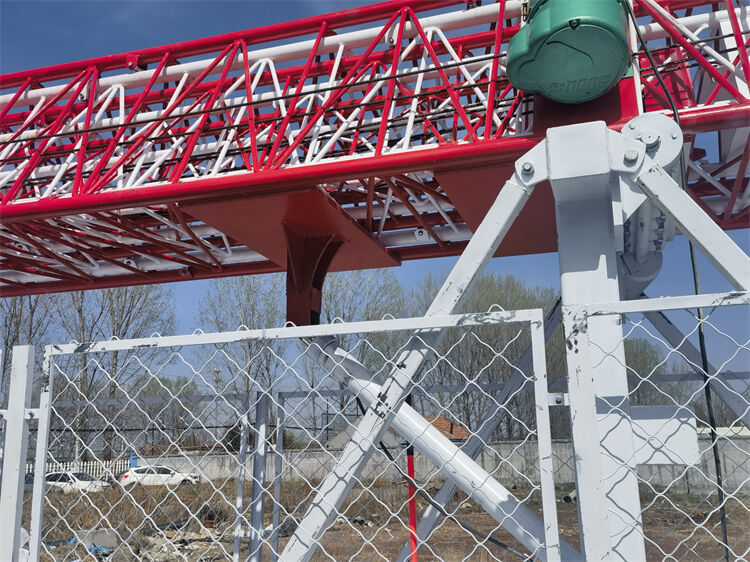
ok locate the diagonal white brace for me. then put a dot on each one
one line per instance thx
(458, 467)
(379, 415)
(715, 244)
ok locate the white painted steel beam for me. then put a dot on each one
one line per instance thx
(42, 445)
(593, 519)
(694, 223)
(259, 477)
(296, 332)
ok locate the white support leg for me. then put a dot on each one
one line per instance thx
(357, 453)
(593, 524)
(259, 477)
(42, 445)
(277, 476)
(239, 502)
(588, 269)
(580, 162)
(14, 458)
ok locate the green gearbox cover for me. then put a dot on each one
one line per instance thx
(570, 51)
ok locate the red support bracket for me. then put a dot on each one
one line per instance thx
(307, 259)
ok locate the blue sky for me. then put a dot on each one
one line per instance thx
(40, 33)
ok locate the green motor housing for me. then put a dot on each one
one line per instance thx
(570, 51)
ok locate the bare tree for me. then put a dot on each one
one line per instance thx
(254, 301)
(351, 296)
(484, 355)
(120, 313)
(24, 321)
(250, 302)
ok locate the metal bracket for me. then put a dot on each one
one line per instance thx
(558, 399)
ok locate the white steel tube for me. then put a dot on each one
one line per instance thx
(14, 453)
(459, 467)
(292, 51)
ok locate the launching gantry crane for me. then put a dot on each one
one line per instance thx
(402, 130)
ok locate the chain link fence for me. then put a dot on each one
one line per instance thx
(213, 446)
(688, 403)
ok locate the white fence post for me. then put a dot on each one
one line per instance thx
(14, 458)
(42, 443)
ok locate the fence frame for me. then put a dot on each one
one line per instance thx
(531, 320)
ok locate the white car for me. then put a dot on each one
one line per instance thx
(70, 482)
(156, 476)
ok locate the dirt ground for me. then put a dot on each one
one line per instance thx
(196, 523)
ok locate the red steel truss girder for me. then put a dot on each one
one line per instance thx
(478, 152)
(467, 43)
(94, 183)
(215, 127)
(265, 182)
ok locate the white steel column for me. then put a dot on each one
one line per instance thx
(278, 475)
(580, 175)
(588, 272)
(42, 446)
(14, 458)
(239, 503)
(259, 476)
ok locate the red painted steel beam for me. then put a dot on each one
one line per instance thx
(281, 180)
(154, 278)
(263, 182)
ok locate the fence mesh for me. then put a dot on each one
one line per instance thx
(214, 450)
(690, 413)
(212, 447)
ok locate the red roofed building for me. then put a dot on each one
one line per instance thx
(450, 429)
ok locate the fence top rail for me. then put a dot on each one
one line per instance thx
(298, 332)
(709, 300)
(284, 394)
